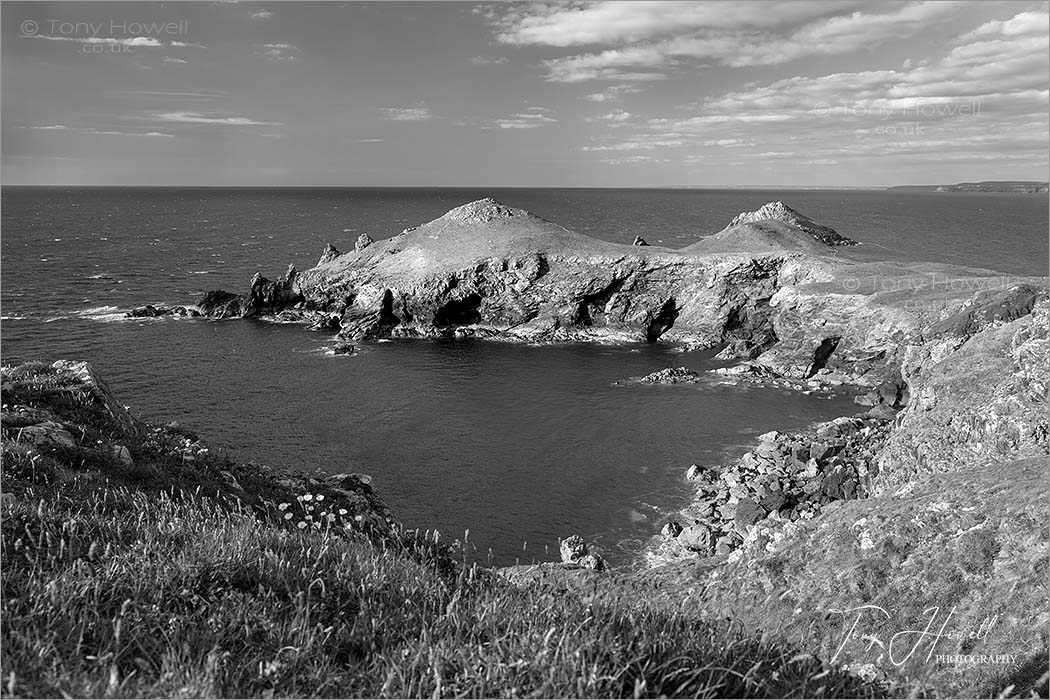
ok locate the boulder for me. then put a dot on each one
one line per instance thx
(747, 513)
(47, 434)
(639, 241)
(671, 529)
(121, 454)
(573, 548)
(697, 538)
(592, 561)
(362, 242)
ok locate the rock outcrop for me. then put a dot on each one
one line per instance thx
(778, 211)
(774, 288)
(62, 419)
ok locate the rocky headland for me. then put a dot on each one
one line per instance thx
(928, 499)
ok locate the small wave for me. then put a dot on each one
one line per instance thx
(14, 317)
(200, 272)
(104, 314)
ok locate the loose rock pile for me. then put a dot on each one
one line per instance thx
(786, 478)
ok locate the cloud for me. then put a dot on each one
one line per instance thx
(278, 52)
(172, 59)
(649, 40)
(613, 93)
(636, 143)
(367, 141)
(986, 95)
(98, 132)
(262, 15)
(590, 23)
(489, 60)
(175, 95)
(407, 114)
(633, 160)
(617, 118)
(533, 118)
(213, 119)
(136, 41)
(1025, 23)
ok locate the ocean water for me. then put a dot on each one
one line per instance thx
(520, 445)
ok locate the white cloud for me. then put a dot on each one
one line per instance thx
(589, 23)
(534, 118)
(135, 41)
(489, 60)
(636, 143)
(172, 59)
(261, 15)
(99, 132)
(651, 39)
(1025, 23)
(278, 52)
(214, 119)
(407, 114)
(613, 93)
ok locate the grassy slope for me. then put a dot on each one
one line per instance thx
(184, 577)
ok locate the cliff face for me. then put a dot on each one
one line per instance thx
(773, 286)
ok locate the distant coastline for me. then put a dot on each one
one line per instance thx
(1013, 186)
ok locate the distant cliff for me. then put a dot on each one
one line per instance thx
(1017, 186)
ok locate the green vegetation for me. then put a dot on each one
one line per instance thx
(164, 576)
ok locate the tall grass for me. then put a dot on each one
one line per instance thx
(118, 593)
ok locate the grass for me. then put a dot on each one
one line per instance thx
(124, 581)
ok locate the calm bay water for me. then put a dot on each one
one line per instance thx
(519, 444)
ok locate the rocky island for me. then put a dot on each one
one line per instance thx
(796, 569)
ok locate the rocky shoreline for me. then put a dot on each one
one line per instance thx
(949, 365)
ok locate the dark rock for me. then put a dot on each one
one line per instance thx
(343, 348)
(773, 501)
(220, 304)
(671, 529)
(639, 241)
(747, 513)
(672, 375)
(330, 322)
(147, 311)
(832, 485)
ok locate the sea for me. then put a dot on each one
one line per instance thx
(505, 447)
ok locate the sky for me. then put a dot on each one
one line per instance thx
(566, 94)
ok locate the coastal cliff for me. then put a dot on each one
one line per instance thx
(773, 287)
